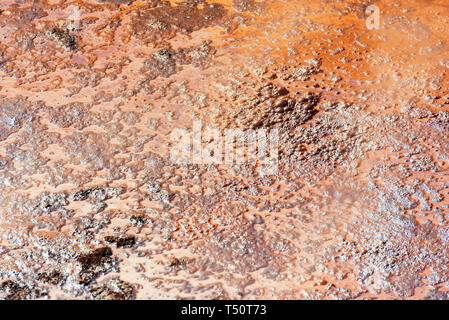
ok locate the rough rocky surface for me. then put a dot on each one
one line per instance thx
(93, 207)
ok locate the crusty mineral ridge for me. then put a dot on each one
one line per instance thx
(93, 206)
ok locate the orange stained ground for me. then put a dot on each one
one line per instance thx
(93, 207)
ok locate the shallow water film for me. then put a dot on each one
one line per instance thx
(218, 149)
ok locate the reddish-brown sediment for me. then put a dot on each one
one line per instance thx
(92, 206)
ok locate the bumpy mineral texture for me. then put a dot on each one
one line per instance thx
(93, 205)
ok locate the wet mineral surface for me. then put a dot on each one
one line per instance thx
(92, 205)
